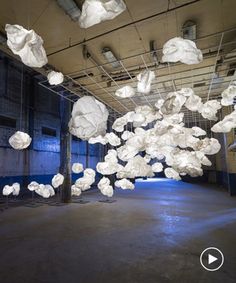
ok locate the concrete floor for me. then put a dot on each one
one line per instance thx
(153, 234)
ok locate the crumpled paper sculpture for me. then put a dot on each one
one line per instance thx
(112, 139)
(87, 180)
(228, 95)
(125, 92)
(126, 135)
(144, 81)
(45, 191)
(197, 132)
(183, 50)
(193, 103)
(20, 140)
(157, 167)
(27, 44)
(89, 118)
(77, 168)
(7, 190)
(172, 174)
(124, 184)
(135, 167)
(159, 136)
(98, 139)
(209, 146)
(57, 180)
(226, 125)
(209, 109)
(33, 186)
(105, 187)
(14, 189)
(55, 78)
(97, 11)
(110, 165)
(75, 191)
(173, 103)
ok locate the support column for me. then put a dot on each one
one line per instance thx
(87, 154)
(65, 150)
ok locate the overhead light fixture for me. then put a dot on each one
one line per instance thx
(71, 9)
(110, 57)
(153, 50)
(3, 38)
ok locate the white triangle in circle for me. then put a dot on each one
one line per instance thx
(211, 259)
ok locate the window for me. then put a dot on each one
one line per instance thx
(74, 138)
(49, 132)
(7, 122)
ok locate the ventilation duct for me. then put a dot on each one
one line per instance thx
(70, 8)
(110, 57)
(189, 30)
(153, 50)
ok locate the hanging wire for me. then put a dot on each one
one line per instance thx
(21, 95)
(171, 77)
(214, 67)
(147, 70)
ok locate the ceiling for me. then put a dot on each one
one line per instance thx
(128, 36)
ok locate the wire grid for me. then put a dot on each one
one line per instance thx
(157, 91)
(69, 94)
(172, 81)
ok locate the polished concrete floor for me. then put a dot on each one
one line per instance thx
(153, 234)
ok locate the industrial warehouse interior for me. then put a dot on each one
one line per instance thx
(117, 141)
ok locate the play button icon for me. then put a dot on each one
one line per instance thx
(211, 259)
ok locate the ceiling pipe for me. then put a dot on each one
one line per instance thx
(125, 25)
(70, 8)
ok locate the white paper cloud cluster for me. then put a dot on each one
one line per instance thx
(45, 191)
(87, 180)
(229, 94)
(110, 138)
(75, 191)
(27, 44)
(33, 186)
(135, 167)
(126, 91)
(97, 11)
(166, 140)
(183, 50)
(89, 118)
(77, 168)
(14, 190)
(126, 135)
(20, 140)
(209, 109)
(226, 125)
(99, 139)
(105, 187)
(124, 184)
(193, 103)
(55, 78)
(173, 103)
(141, 117)
(157, 167)
(57, 180)
(144, 81)
(172, 174)
(110, 165)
